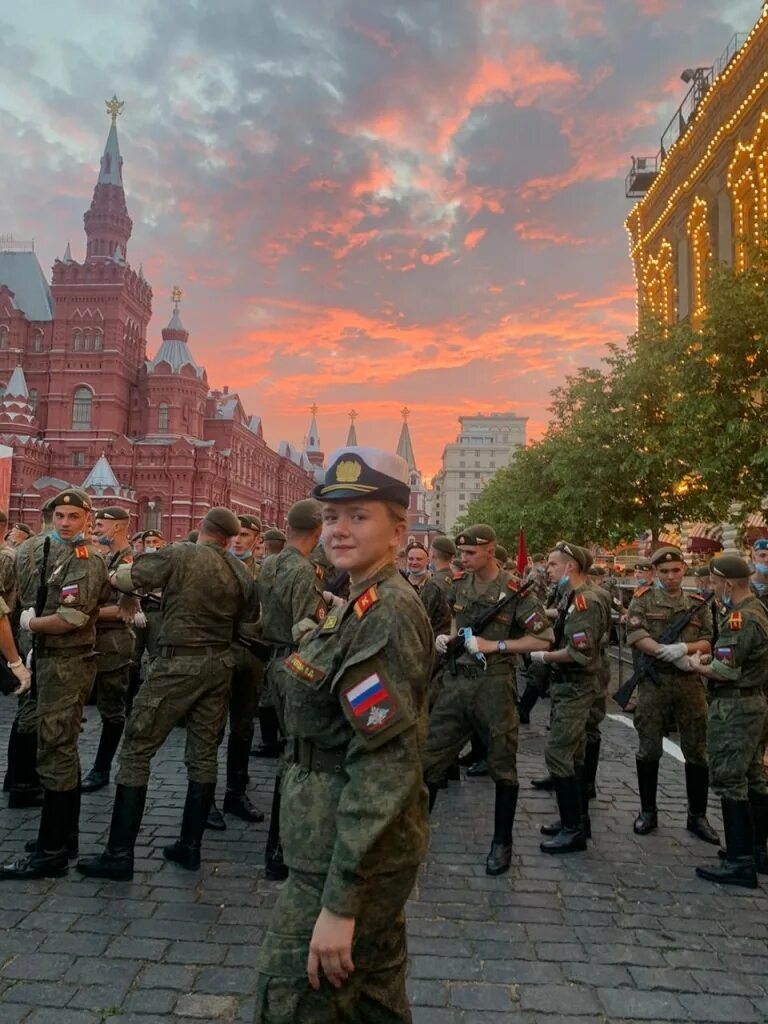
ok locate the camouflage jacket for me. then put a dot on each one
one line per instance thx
(358, 686)
(435, 604)
(114, 638)
(587, 621)
(652, 609)
(8, 574)
(739, 659)
(206, 592)
(291, 598)
(29, 563)
(76, 577)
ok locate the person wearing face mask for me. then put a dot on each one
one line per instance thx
(759, 578)
(114, 646)
(420, 578)
(736, 726)
(679, 697)
(146, 627)
(64, 634)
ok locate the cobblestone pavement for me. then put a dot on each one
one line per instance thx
(624, 932)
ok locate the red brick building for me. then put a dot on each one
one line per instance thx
(82, 404)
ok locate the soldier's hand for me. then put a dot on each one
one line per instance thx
(25, 618)
(537, 656)
(441, 643)
(330, 949)
(671, 652)
(140, 620)
(21, 672)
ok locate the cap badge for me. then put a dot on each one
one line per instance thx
(348, 471)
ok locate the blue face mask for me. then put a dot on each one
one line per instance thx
(241, 557)
(659, 584)
(77, 539)
(727, 600)
(761, 568)
(103, 540)
(564, 581)
(417, 575)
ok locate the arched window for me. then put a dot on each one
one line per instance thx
(86, 341)
(33, 399)
(153, 515)
(37, 342)
(97, 342)
(3, 337)
(162, 418)
(81, 409)
(77, 341)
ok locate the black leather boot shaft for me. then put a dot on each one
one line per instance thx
(116, 861)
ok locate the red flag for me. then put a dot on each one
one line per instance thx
(522, 554)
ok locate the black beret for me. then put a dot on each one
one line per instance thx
(24, 528)
(274, 534)
(112, 512)
(151, 533)
(730, 567)
(305, 515)
(445, 546)
(249, 522)
(666, 555)
(74, 498)
(223, 519)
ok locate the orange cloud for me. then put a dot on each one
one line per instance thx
(473, 237)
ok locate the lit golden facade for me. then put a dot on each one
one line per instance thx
(709, 201)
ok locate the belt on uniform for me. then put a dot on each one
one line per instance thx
(63, 652)
(318, 759)
(112, 627)
(281, 650)
(170, 650)
(468, 671)
(735, 691)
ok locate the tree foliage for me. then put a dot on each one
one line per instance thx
(670, 428)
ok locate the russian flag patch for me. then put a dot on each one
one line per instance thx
(371, 704)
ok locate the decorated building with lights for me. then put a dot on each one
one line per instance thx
(82, 403)
(704, 197)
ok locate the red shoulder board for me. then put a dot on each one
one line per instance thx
(735, 621)
(513, 584)
(81, 551)
(580, 603)
(459, 575)
(642, 590)
(319, 572)
(698, 597)
(366, 601)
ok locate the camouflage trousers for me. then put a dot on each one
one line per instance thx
(111, 694)
(573, 697)
(681, 699)
(485, 704)
(735, 744)
(247, 681)
(373, 994)
(189, 687)
(63, 685)
(598, 709)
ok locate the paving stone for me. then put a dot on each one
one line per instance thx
(38, 993)
(207, 1007)
(483, 997)
(152, 1000)
(560, 999)
(626, 1004)
(38, 966)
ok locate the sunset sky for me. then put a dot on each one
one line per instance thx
(366, 203)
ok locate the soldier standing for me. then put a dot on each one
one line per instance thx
(431, 593)
(64, 636)
(573, 691)
(291, 603)
(114, 647)
(354, 813)
(274, 541)
(442, 552)
(477, 691)
(737, 717)
(679, 696)
(188, 679)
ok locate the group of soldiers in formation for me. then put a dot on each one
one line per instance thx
(370, 666)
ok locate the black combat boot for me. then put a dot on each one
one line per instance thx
(758, 803)
(24, 783)
(527, 703)
(454, 771)
(8, 777)
(275, 867)
(546, 784)
(738, 865)
(478, 770)
(215, 820)
(73, 839)
(697, 787)
(500, 856)
(236, 799)
(477, 752)
(116, 861)
(270, 734)
(647, 785)
(591, 760)
(570, 838)
(586, 824)
(186, 850)
(98, 776)
(49, 859)
(432, 789)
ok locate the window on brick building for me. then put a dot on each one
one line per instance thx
(37, 342)
(33, 399)
(152, 518)
(97, 342)
(81, 409)
(162, 419)
(78, 458)
(3, 337)
(77, 341)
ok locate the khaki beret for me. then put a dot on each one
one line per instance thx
(666, 555)
(476, 536)
(274, 534)
(305, 515)
(249, 522)
(223, 519)
(502, 554)
(580, 555)
(112, 512)
(445, 546)
(730, 567)
(702, 572)
(73, 498)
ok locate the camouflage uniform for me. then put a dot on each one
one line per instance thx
(444, 580)
(355, 811)
(472, 699)
(114, 648)
(8, 575)
(435, 603)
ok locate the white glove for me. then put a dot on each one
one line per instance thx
(538, 657)
(140, 619)
(28, 662)
(684, 664)
(671, 652)
(470, 643)
(22, 674)
(441, 643)
(25, 617)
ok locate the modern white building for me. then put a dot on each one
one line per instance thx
(485, 444)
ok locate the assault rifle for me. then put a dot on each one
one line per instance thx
(456, 644)
(647, 665)
(40, 598)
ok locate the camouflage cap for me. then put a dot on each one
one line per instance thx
(274, 534)
(369, 474)
(445, 546)
(305, 515)
(665, 555)
(223, 519)
(249, 522)
(73, 497)
(501, 553)
(112, 512)
(476, 536)
(730, 567)
(581, 557)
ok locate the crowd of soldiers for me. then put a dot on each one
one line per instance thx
(399, 665)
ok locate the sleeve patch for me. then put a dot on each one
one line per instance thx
(70, 593)
(81, 551)
(322, 611)
(581, 641)
(534, 623)
(580, 603)
(371, 704)
(366, 601)
(735, 621)
(513, 584)
(303, 669)
(724, 654)
(635, 620)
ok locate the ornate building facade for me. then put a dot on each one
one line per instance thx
(83, 404)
